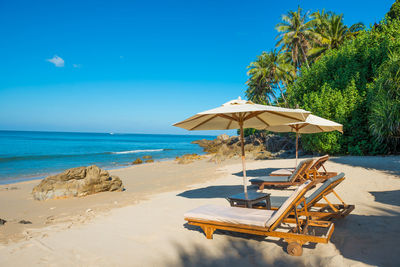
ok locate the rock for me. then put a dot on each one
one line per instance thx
(233, 140)
(256, 146)
(150, 161)
(2, 222)
(223, 137)
(263, 155)
(188, 158)
(77, 182)
(147, 157)
(24, 222)
(137, 161)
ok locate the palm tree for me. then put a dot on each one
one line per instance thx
(259, 83)
(267, 74)
(330, 32)
(296, 36)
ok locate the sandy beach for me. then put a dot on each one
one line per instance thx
(144, 225)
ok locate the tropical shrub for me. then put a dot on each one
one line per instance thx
(347, 85)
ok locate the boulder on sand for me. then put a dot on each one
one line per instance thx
(77, 182)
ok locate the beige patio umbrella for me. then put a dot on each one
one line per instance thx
(313, 124)
(239, 114)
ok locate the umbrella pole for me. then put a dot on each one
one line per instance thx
(243, 158)
(297, 146)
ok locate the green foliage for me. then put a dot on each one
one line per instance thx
(385, 106)
(348, 85)
(394, 12)
(247, 131)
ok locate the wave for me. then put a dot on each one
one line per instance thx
(137, 151)
(58, 156)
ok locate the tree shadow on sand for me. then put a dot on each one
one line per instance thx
(238, 250)
(387, 197)
(388, 164)
(370, 239)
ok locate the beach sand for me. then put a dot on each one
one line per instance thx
(144, 225)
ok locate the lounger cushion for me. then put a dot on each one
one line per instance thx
(299, 167)
(324, 186)
(282, 172)
(278, 179)
(232, 215)
(286, 204)
(277, 201)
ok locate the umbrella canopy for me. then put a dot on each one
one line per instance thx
(313, 124)
(239, 114)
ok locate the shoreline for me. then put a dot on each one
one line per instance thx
(36, 178)
(140, 181)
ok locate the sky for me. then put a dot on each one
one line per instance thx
(136, 66)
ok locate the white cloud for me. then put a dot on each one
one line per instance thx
(57, 61)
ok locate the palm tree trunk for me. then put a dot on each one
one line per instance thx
(304, 56)
(283, 96)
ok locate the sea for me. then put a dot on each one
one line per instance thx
(26, 155)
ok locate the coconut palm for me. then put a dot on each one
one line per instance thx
(267, 75)
(296, 36)
(330, 32)
(259, 82)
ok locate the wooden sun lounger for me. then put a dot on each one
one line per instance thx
(298, 177)
(320, 211)
(265, 222)
(314, 170)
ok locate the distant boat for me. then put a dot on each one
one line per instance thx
(112, 133)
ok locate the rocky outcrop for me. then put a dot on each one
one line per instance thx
(77, 182)
(188, 158)
(257, 146)
(147, 157)
(137, 161)
(149, 160)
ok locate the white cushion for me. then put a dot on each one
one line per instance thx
(232, 215)
(283, 172)
(236, 215)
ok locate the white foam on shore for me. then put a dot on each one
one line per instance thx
(137, 151)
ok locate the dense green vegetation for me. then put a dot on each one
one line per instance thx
(347, 74)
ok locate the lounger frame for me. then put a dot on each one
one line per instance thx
(302, 175)
(314, 170)
(296, 237)
(328, 210)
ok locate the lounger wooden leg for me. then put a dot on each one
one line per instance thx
(341, 200)
(208, 230)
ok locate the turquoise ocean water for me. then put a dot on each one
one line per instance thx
(30, 155)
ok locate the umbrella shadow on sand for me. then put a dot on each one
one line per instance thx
(257, 172)
(390, 165)
(215, 191)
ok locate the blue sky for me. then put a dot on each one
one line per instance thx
(135, 66)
